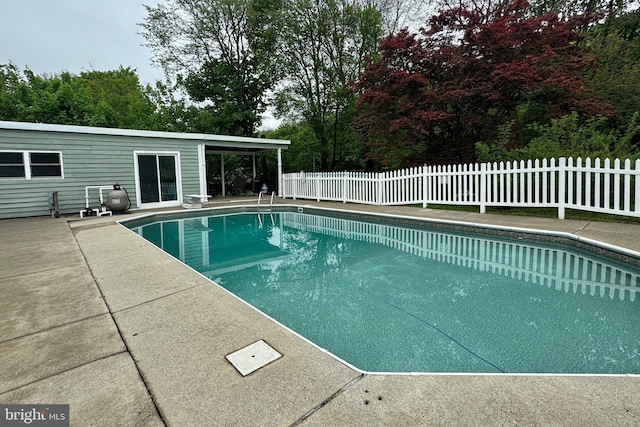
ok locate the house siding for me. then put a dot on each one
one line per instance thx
(87, 159)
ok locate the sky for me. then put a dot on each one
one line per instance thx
(51, 36)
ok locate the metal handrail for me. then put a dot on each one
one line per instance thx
(273, 194)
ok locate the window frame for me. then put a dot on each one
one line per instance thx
(27, 165)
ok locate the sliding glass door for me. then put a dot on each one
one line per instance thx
(157, 176)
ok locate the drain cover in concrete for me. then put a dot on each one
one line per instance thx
(253, 357)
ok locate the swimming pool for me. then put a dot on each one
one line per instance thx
(388, 297)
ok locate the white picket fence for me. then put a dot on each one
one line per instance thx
(587, 185)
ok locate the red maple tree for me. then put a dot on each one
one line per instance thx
(429, 98)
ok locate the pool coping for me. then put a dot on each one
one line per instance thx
(164, 364)
(619, 253)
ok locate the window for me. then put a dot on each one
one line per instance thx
(35, 164)
(11, 165)
(45, 164)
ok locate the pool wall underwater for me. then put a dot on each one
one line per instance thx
(624, 256)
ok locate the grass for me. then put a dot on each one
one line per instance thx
(543, 213)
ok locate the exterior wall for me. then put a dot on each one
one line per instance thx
(87, 159)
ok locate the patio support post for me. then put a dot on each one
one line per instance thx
(279, 172)
(254, 178)
(202, 166)
(222, 174)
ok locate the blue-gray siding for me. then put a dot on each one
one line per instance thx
(87, 159)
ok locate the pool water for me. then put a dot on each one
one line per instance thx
(389, 298)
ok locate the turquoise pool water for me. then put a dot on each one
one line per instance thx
(389, 298)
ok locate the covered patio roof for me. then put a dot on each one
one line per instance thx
(214, 142)
(248, 149)
(208, 144)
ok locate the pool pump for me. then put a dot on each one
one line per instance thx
(117, 200)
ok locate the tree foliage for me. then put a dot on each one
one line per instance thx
(564, 8)
(223, 52)
(94, 98)
(430, 98)
(304, 151)
(175, 113)
(617, 78)
(569, 136)
(399, 14)
(324, 44)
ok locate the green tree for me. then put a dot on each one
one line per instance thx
(399, 14)
(304, 152)
(175, 113)
(222, 51)
(325, 43)
(565, 8)
(117, 98)
(617, 79)
(94, 98)
(569, 136)
(430, 98)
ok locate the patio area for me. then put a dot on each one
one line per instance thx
(93, 316)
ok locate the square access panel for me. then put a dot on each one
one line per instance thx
(253, 357)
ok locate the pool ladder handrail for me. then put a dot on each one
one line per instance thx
(273, 193)
(270, 207)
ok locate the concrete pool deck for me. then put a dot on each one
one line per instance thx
(93, 316)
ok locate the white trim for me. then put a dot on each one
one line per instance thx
(178, 171)
(220, 140)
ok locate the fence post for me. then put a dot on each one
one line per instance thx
(562, 166)
(379, 184)
(424, 186)
(284, 190)
(344, 187)
(483, 187)
(295, 183)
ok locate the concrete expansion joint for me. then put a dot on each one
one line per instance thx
(79, 226)
(329, 399)
(53, 328)
(21, 275)
(64, 371)
(140, 373)
(123, 341)
(122, 310)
